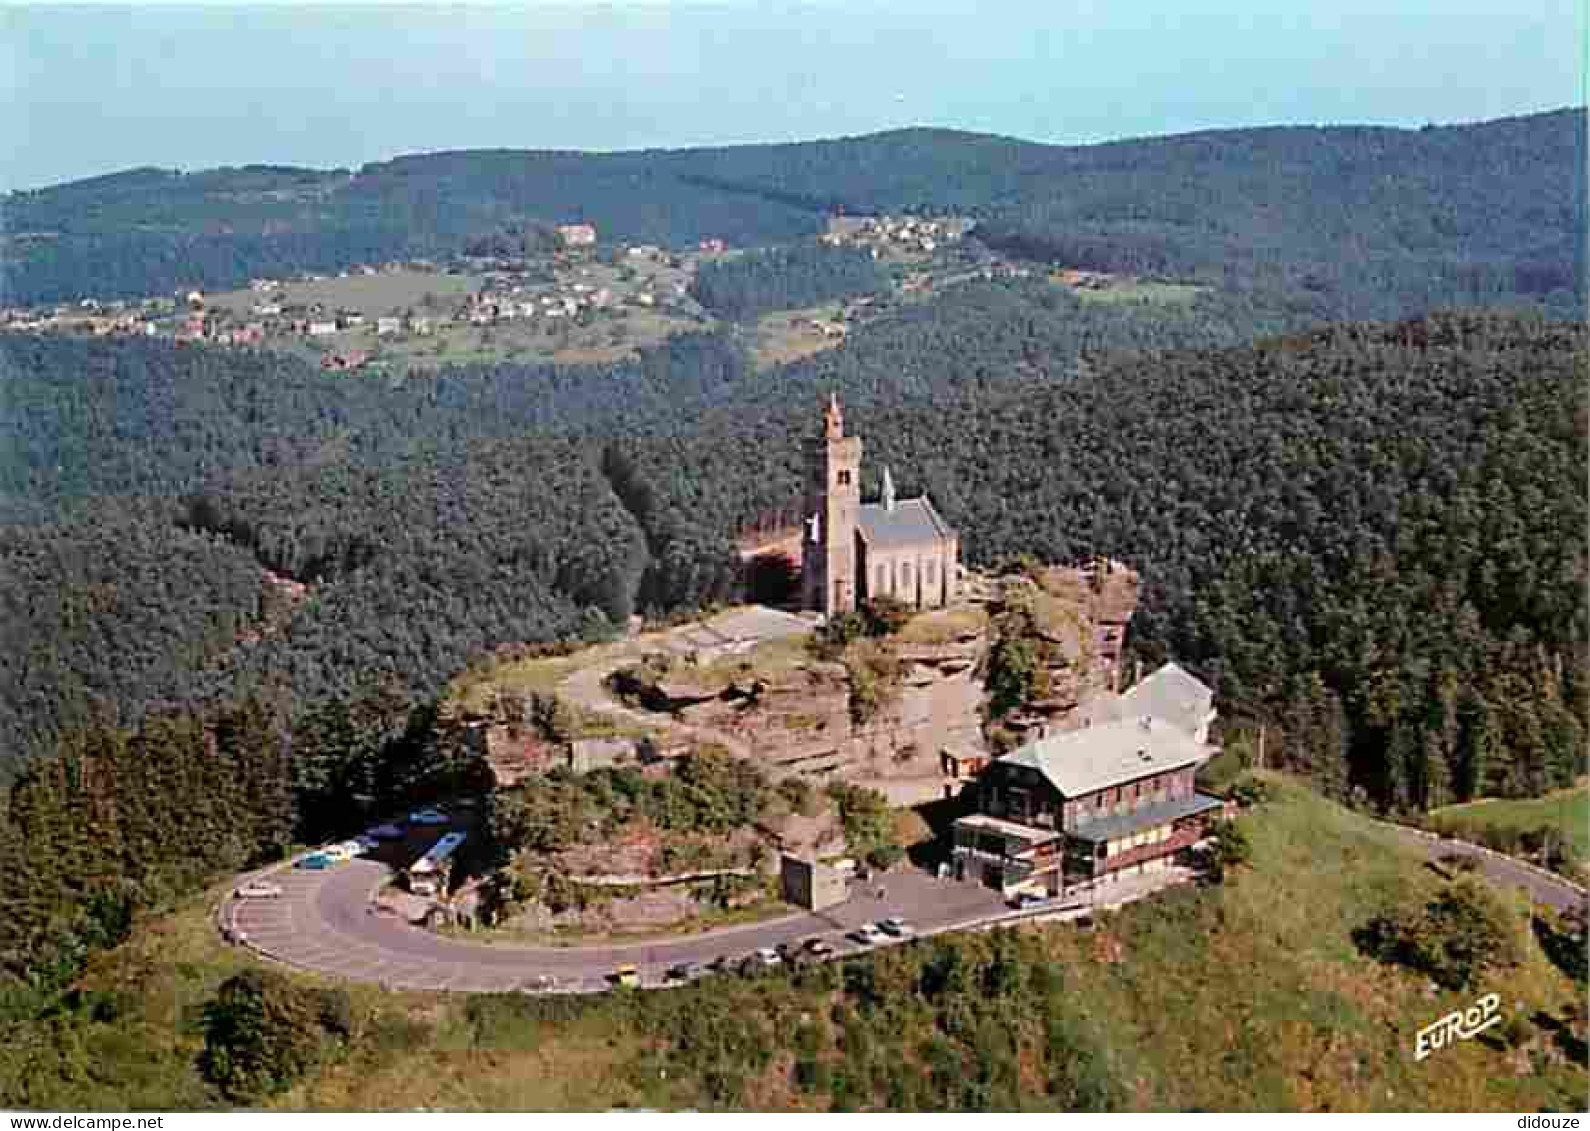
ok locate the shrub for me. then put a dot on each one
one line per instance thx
(885, 616)
(868, 823)
(262, 1033)
(874, 677)
(1250, 791)
(1453, 938)
(799, 795)
(1230, 849)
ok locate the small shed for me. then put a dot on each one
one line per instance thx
(809, 884)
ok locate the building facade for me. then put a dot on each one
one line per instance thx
(852, 551)
(1085, 806)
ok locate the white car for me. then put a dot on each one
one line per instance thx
(259, 889)
(337, 852)
(867, 934)
(896, 926)
(429, 817)
(767, 956)
(384, 832)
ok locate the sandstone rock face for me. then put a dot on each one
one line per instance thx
(801, 723)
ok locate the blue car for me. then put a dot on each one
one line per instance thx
(316, 862)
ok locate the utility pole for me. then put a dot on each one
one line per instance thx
(1260, 766)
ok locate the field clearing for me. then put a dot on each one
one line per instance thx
(1149, 294)
(371, 295)
(1567, 810)
(787, 335)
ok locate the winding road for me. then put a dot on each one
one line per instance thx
(329, 922)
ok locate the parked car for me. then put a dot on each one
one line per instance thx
(896, 927)
(818, 947)
(767, 956)
(682, 971)
(384, 832)
(626, 975)
(538, 984)
(1024, 900)
(366, 842)
(259, 889)
(429, 817)
(867, 934)
(316, 862)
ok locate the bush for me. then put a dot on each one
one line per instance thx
(262, 1033)
(1453, 938)
(1231, 848)
(1250, 791)
(868, 823)
(799, 795)
(885, 616)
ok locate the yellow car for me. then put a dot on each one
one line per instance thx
(626, 976)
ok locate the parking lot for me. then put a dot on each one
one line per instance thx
(328, 921)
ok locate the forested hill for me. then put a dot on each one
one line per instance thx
(1347, 222)
(1370, 537)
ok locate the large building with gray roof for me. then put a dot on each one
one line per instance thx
(852, 551)
(1086, 806)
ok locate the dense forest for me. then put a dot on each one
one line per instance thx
(1370, 528)
(785, 279)
(1353, 222)
(429, 520)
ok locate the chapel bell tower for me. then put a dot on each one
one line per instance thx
(833, 504)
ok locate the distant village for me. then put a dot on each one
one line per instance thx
(571, 286)
(508, 291)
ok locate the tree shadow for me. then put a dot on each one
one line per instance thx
(1563, 941)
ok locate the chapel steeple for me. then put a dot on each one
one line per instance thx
(833, 505)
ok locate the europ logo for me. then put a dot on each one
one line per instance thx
(1461, 1024)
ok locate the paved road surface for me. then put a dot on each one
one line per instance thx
(325, 921)
(1543, 887)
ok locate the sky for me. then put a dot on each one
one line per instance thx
(86, 90)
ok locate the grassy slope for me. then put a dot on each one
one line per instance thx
(1567, 810)
(1245, 996)
(1252, 995)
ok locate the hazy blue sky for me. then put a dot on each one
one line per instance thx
(86, 90)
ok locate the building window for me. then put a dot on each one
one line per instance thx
(905, 577)
(878, 588)
(930, 572)
(844, 478)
